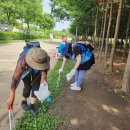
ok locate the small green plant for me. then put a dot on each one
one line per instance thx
(118, 85)
(21, 36)
(45, 121)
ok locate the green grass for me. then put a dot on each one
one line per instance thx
(45, 121)
(16, 41)
(9, 41)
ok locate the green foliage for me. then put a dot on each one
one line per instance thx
(27, 11)
(54, 75)
(46, 21)
(59, 34)
(8, 9)
(3, 18)
(83, 15)
(40, 122)
(59, 10)
(20, 36)
(32, 10)
(8, 6)
(66, 9)
(45, 121)
(79, 11)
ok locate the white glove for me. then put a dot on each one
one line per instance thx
(44, 83)
(70, 75)
(60, 70)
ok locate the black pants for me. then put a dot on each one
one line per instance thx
(31, 83)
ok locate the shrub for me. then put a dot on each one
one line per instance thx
(21, 36)
(58, 34)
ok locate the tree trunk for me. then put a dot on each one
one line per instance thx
(9, 21)
(108, 31)
(44, 30)
(115, 36)
(86, 35)
(97, 39)
(91, 38)
(104, 31)
(28, 26)
(99, 46)
(126, 78)
(127, 33)
(22, 24)
(95, 31)
(76, 34)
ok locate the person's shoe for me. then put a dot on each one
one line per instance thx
(75, 88)
(34, 112)
(25, 106)
(73, 84)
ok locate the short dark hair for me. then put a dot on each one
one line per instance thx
(77, 50)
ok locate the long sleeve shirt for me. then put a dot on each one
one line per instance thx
(20, 67)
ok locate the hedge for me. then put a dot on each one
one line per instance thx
(45, 121)
(21, 36)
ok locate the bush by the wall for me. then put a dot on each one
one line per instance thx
(21, 36)
(58, 34)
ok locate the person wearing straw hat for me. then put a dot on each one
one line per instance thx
(32, 68)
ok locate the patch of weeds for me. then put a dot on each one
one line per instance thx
(118, 85)
(45, 121)
(10, 41)
(53, 77)
(40, 122)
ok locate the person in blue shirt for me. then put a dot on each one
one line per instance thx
(81, 52)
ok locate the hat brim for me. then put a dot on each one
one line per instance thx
(33, 64)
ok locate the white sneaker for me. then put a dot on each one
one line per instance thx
(73, 84)
(75, 88)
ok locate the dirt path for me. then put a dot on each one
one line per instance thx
(96, 107)
(8, 56)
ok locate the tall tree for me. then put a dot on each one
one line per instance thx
(32, 9)
(46, 21)
(8, 7)
(104, 30)
(115, 35)
(100, 36)
(95, 30)
(80, 12)
(127, 34)
(126, 78)
(108, 30)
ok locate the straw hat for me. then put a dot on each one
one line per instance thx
(38, 58)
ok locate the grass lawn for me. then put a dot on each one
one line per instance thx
(9, 41)
(16, 41)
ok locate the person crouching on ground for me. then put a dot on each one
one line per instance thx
(32, 67)
(82, 53)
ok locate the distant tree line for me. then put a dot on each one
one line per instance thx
(29, 12)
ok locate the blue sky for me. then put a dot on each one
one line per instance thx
(59, 25)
